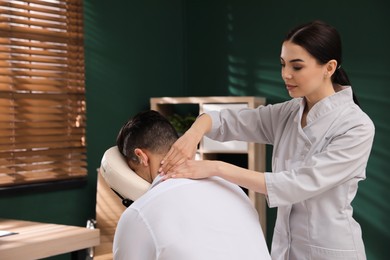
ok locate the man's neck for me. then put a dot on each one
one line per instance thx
(155, 163)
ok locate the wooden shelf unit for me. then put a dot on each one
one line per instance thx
(255, 152)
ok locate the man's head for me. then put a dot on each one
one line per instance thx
(144, 140)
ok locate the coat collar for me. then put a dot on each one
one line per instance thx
(328, 104)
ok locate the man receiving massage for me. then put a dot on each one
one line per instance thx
(181, 219)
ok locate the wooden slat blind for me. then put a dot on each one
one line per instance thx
(42, 91)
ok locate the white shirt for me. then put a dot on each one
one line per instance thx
(316, 170)
(183, 219)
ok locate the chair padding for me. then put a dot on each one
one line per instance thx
(120, 177)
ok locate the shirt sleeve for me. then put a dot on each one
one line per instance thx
(133, 238)
(258, 125)
(344, 158)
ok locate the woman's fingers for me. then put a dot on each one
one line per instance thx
(192, 169)
(171, 164)
(172, 157)
(178, 154)
(176, 172)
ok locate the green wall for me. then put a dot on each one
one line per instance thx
(134, 50)
(139, 49)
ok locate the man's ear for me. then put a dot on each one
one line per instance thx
(142, 156)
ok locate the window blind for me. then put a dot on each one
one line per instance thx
(42, 91)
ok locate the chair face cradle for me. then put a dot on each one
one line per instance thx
(118, 175)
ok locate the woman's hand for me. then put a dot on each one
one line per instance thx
(193, 169)
(182, 150)
(185, 147)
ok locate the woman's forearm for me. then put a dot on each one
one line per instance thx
(251, 180)
(201, 126)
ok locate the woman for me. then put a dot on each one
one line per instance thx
(321, 139)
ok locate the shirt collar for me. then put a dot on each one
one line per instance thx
(156, 181)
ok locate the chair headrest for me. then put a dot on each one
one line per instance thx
(120, 177)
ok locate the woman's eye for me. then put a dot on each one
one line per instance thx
(283, 65)
(297, 68)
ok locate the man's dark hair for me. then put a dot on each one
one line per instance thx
(147, 130)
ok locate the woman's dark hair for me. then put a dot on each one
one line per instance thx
(147, 130)
(323, 42)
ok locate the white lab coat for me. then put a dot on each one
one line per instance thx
(316, 171)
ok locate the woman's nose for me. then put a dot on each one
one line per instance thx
(286, 75)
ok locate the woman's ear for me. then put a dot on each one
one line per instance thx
(331, 67)
(142, 156)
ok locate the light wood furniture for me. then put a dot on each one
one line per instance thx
(39, 240)
(109, 208)
(255, 152)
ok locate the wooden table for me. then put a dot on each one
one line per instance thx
(39, 240)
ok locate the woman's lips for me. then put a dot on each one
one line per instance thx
(290, 87)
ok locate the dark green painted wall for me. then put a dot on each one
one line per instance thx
(139, 49)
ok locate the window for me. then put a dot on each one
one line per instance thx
(42, 91)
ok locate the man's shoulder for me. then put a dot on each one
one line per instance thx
(158, 189)
(163, 191)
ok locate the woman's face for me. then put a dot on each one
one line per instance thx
(302, 74)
